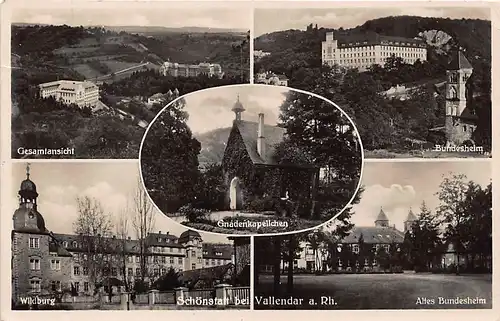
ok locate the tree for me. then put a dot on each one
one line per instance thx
(316, 127)
(425, 237)
(93, 227)
(143, 223)
(169, 281)
(452, 196)
(122, 232)
(211, 191)
(169, 159)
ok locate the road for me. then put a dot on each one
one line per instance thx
(383, 291)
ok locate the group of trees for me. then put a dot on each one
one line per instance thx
(321, 136)
(463, 220)
(386, 123)
(104, 244)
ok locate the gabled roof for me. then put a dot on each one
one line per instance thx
(209, 275)
(273, 135)
(458, 61)
(381, 216)
(374, 235)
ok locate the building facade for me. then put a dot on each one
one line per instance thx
(185, 70)
(251, 170)
(364, 50)
(44, 262)
(81, 93)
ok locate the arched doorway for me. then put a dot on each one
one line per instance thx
(235, 194)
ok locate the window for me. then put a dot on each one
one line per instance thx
(172, 260)
(86, 286)
(155, 259)
(136, 259)
(205, 252)
(130, 271)
(355, 248)
(179, 260)
(74, 244)
(465, 128)
(56, 286)
(137, 271)
(199, 260)
(76, 270)
(218, 253)
(193, 253)
(35, 286)
(164, 259)
(159, 240)
(163, 271)
(130, 259)
(55, 264)
(35, 264)
(113, 271)
(193, 266)
(213, 261)
(77, 287)
(34, 243)
(85, 271)
(155, 271)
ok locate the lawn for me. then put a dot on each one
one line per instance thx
(380, 291)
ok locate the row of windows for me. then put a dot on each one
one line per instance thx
(384, 48)
(162, 249)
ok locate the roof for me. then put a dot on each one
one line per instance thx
(208, 275)
(210, 251)
(273, 135)
(19, 219)
(381, 216)
(188, 234)
(458, 61)
(411, 216)
(69, 85)
(374, 235)
(371, 38)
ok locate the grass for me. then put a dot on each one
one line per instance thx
(380, 291)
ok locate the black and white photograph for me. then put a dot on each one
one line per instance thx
(86, 237)
(88, 78)
(416, 81)
(251, 159)
(420, 237)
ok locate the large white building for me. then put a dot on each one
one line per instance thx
(364, 50)
(81, 93)
(184, 70)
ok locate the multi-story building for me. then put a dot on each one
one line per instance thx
(44, 262)
(372, 237)
(81, 93)
(364, 50)
(185, 70)
(270, 78)
(258, 54)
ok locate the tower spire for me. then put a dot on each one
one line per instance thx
(238, 108)
(28, 171)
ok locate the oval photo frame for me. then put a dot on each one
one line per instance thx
(267, 172)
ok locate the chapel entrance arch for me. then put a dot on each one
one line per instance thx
(235, 198)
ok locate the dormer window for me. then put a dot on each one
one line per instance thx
(74, 244)
(218, 253)
(65, 244)
(205, 252)
(159, 240)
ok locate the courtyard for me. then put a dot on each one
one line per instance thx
(380, 291)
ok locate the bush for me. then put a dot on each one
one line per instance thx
(193, 214)
(263, 204)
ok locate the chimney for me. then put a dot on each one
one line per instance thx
(159, 232)
(129, 238)
(167, 233)
(260, 137)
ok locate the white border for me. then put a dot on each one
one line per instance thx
(263, 86)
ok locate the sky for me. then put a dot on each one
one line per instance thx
(399, 186)
(156, 15)
(266, 22)
(210, 109)
(112, 183)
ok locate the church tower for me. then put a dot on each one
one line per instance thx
(193, 246)
(382, 220)
(410, 220)
(458, 125)
(238, 109)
